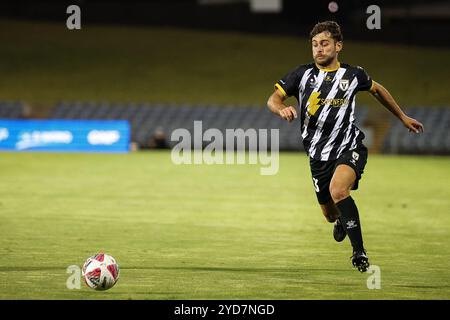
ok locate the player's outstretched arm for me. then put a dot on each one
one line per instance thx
(277, 106)
(386, 99)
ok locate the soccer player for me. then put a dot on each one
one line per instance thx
(325, 91)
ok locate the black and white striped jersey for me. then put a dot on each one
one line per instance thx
(326, 100)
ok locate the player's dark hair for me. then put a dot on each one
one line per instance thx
(331, 26)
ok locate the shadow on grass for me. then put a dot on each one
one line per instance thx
(112, 292)
(249, 270)
(30, 269)
(420, 286)
(193, 268)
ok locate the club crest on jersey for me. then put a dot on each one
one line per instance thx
(343, 84)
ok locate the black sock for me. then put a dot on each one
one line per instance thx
(350, 221)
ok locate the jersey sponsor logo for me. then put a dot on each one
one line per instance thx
(343, 84)
(333, 102)
(313, 103)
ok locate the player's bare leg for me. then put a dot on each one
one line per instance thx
(342, 182)
(331, 213)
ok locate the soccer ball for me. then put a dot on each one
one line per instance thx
(101, 272)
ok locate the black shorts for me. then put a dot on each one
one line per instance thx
(322, 171)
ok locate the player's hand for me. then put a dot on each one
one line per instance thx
(288, 113)
(412, 124)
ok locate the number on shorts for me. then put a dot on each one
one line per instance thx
(316, 184)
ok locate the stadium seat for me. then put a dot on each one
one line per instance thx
(12, 110)
(146, 118)
(433, 141)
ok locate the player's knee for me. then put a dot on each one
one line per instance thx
(339, 193)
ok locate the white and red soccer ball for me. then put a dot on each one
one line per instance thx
(101, 272)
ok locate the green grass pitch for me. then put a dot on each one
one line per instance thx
(217, 232)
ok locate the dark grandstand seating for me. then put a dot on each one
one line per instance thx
(12, 110)
(145, 119)
(435, 139)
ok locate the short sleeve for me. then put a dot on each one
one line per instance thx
(289, 84)
(364, 80)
